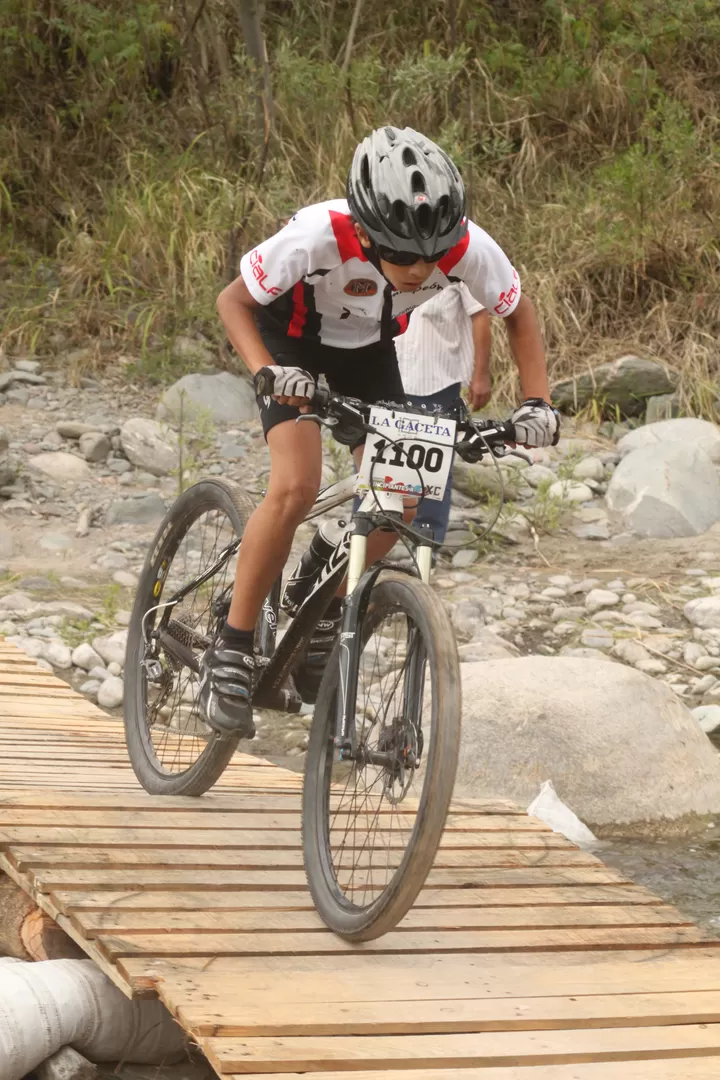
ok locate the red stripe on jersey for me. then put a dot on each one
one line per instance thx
(299, 314)
(402, 321)
(454, 255)
(346, 238)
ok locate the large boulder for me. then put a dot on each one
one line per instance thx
(222, 398)
(626, 384)
(619, 746)
(666, 489)
(686, 430)
(61, 466)
(150, 445)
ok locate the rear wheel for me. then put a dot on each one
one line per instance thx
(371, 826)
(172, 749)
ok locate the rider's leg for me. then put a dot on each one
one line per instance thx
(295, 474)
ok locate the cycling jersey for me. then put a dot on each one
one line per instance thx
(314, 280)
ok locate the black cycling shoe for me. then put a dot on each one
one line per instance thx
(226, 685)
(311, 669)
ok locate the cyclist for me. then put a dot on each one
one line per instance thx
(327, 294)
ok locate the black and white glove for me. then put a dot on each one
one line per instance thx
(284, 382)
(536, 423)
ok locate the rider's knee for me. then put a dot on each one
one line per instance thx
(292, 503)
(410, 507)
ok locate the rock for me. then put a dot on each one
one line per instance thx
(599, 530)
(585, 654)
(66, 1064)
(666, 490)
(703, 686)
(465, 557)
(16, 602)
(597, 599)
(125, 578)
(589, 468)
(60, 465)
(32, 366)
(90, 687)
(569, 720)
(593, 637)
(222, 399)
(58, 654)
(73, 429)
(111, 647)
(487, 646)
(95, 446)
(703, 612)
(53, 541)
(570, 491)
(708, 716)
(65, 609)
(468, 618)
(480, 480)
(707, 663)
(135, 511)
(114, 668)
(626, 384)
(7, 544)
(538, 474)
(662, 407)
(110, 694)
(84, 656)
(686, 430)
(119, 465)
(150, 446)
(632, 652)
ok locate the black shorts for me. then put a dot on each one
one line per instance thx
(370, 373)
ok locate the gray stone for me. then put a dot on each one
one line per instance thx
(569, 722)
(150, 445)
(666, 490)
(570, 491)
(687, 430)
(581, 653)
(84, 656)
(17, 602)
(27, 377)
(60, 465)
(58, 654)
(694, 651)
(632, 652)
(66, 1064)
(138, 511)
(597, 599)
(468, 618)
(4, 440)
(37, 583)
(110, 694)
(704, 686)
(703, 612)
(707, 663)
(589, 468)
(7, 544)
(53, 541)
(32, 366)
(119, 465)
(64, 608)
(465, 557)
(111, 647)
(662, 407)
(595, 638)
(95, 446)
(599, 530)
(231, 451)
(19, 396)
(73, 429)
(708, 716)
(125, 578)
(90, 687)
(114, 668)
(222, 398)
(538, 474)
(487, 646)
(626, 383)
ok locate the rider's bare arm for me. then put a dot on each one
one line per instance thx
(528, 351)
(480, 388)
(237, 307)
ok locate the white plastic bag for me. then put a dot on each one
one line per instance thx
(549, 807)
(56, 1003)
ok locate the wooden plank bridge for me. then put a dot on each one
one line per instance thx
(524, 958)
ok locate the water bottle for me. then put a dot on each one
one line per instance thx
(308, 570)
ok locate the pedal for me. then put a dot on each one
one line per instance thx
(153, 670)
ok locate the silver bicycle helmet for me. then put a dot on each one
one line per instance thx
(406, 193)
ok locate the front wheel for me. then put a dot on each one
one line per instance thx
(372, 825)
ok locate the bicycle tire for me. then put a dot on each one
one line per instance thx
(407, 595)
(203, 497)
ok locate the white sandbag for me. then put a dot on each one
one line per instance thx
(549, 807)
(57, 1003)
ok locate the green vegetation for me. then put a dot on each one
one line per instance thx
(135, 166)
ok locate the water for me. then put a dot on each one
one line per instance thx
(685, 873)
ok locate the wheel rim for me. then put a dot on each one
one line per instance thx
(175, 734)
(372, 809)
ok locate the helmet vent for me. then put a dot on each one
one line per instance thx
(417, 182)
(365, 171)
(423, 218)
(409, 157)
(390, 134)
(444, 208)
(399, 208)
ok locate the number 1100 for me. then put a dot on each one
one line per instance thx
(417, 455)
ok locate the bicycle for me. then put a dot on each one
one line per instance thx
(387, 714)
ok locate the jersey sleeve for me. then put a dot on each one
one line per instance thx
(486, 270)
(469, 303)
(305, 244)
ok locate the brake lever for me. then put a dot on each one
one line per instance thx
(324, 421)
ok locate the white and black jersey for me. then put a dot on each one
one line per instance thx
(315, 282)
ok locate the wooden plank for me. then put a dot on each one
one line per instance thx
(153, 901)
(455, 920)
(484, 1049)
(466, 860)
(675, 1068)
(253, 944)
(229, 1017)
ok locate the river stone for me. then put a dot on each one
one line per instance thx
(597, 599)
(570, 491)
(60, 465)
(704, 612)
(223, 398)
(662, 407)
(95, 446)
(58, 654)
(686, 430)
(538, 474)
(626, 383)
(140, 510)
(487, 646)
(666, 490)
(150, 445)
(84, 656)
(566, 719)
(73, 429)
(16, 602)
(7, 544)
(589, 468)
(468, 618)
(111, 647)
(53, 541)
(708, 716)
(110, 694)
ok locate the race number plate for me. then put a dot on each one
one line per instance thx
(425, 449)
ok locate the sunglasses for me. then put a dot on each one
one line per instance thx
(408, 258)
